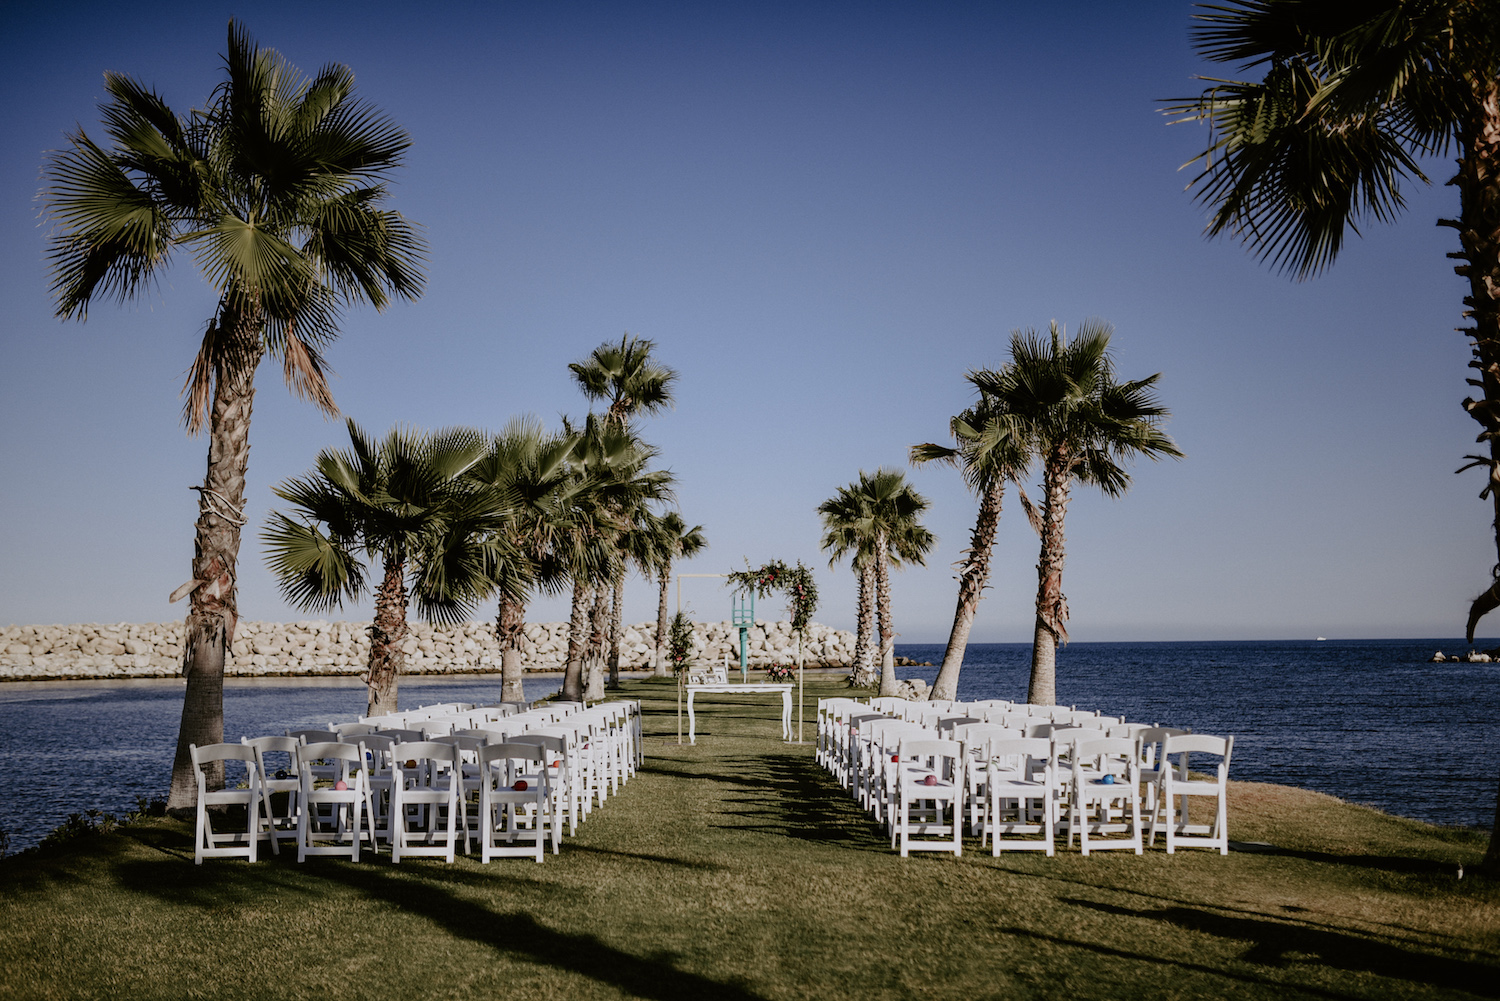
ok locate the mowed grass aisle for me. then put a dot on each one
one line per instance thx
(736, 869)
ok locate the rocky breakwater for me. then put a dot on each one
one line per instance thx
(154, 650)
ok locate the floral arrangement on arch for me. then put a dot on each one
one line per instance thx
(795, 582)
(779, 673)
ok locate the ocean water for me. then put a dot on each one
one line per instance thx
(1369, 721)
(66, 747)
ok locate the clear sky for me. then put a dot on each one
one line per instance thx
(824, 215)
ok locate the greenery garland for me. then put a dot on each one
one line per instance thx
(796, 582)
(680, 642)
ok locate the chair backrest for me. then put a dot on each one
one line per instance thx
(1127, 729)
(944, 757)
(282, 752)
(553, 743)
(221, 752)
(1074, 734)
(1002, 705)
(313, 736)
(1198, 743)
(419, 762)
(886, 732)
(352, 729)
(403, 736)
(888, 704)
(345, 754)
(1111, 747)
(975, 734)
(1009, 751)
(946, 724)
(1011, 718)
(504, 763)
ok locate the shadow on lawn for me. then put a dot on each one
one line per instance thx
(429, 892)
(789, 795)
(1284, 943)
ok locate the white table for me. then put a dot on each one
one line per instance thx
(734, 688)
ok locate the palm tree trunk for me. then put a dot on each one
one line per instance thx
(972, 580)
(510, 630)
(386, 636)
(663, 624)
(883, 616)
(213, 612)
(1051, 605)
(864, 644)
(1478, 182)
(578, 638)
(593, 658)
(616, 628)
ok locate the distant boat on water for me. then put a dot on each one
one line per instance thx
(1322, 639)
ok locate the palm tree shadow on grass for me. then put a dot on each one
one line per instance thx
(789, 795)
(1284, 943)
(421, 891)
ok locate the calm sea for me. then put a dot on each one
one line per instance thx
(1368, 720)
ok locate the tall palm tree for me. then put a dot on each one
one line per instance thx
(888, 520)
(275, 189)
(612, 484)
(632, 382)
(1062, 398)
(677, 541)
(846, 525)
(526, 473)
(628, 377)
(990, 454)
(1352, 96)
(402, 500)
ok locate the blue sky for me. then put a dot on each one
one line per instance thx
(824, 215)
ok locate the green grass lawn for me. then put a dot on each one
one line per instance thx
(736, 869)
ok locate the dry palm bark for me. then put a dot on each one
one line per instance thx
(213, 610)
(973, 578)
(510, 630)
(1051, 605)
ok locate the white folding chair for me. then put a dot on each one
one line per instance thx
(278, 778)
(1177, 787)
(565, 763)
(930, 787)
(515, 802)
(1022, 792)
(206, 842)
(426, 785)
(344, 798)
(1099, 795)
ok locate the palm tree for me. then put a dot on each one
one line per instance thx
(677, 541)
(527, 474)
(990, 454)
(275, 190)
(628, 377)
(1062, 399)
(1352, 96)
(404, 501)
(611, 485)
(846, 533)
(632, 382)
(887, 514)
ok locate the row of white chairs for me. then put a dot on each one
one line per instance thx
(1018, 786)
(514, 783)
